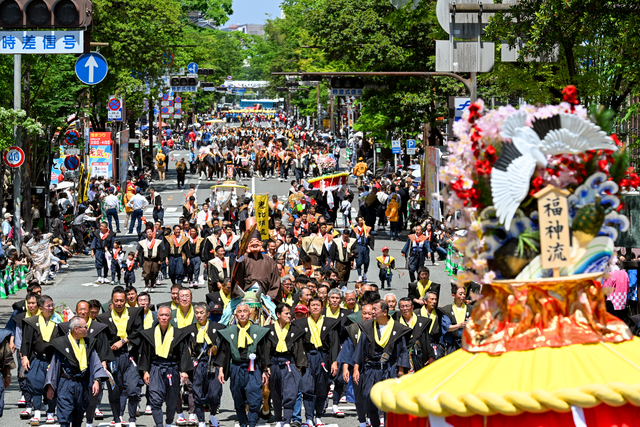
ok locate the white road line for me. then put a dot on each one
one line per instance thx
(171, 209)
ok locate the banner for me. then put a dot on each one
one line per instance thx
(100, 154)
(57, 171)
(261, 206)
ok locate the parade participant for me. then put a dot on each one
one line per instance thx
(101, 241)
(364, 243)
(196, 245)
(419, 343)
(158, 208)
(243, 356)
(6, 364)
(359, 170)
(322, 344)
(211, 244)
(205, 220)
(392, 301)
(454, 319)
(418, 290)
(137, 203)
(176, 249)
(430, 311)
(181, 171)
(131, 295)
(190, 208)
(37, 333)
(289, 251)
(75, 368)
(288, 290)
(381, 353)
(230, 242)
(111, 206)
(31, 309)
(165, 362)
(345, 359)
(150, 318)
(350, 301)
(306, 268)
(288, 360)
(220, 268)
(297, 231)
(129, 267)
(150, 253)
(115, 261)
(346, 252)
(386, 263)
(258, 268)
(123, 326)
(204, 345)
(161, 162)
(416, 250)
(95, 331)
(333, 310)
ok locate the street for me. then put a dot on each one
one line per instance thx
(77, 282)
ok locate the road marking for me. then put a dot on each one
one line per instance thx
(95, 285)
(171, 209)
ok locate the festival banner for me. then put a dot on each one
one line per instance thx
(432, 182)
(261, 206)
(100, 154)
(57, 171)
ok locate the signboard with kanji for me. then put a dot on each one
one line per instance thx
(261, 206)
(41, 42)
(553, 217)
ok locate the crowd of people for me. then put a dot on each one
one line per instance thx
(283, 321)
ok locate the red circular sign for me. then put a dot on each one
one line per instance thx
(14, 157)
(114, 104)
(71, 137)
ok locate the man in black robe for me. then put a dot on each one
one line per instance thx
(259, 268)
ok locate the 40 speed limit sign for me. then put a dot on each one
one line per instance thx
(14, 157)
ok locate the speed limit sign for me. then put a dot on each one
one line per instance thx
(14, 157)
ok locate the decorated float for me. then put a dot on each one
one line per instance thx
(538, 189)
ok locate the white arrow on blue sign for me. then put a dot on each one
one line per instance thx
(192, 68)
(91, 68)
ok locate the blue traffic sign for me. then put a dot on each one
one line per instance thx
(91, 68)
(192, 68)
(395, 147)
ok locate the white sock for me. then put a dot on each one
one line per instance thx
(381, 420)
(363, 424)
(335, 408)
(214, 419)
(309, 422)
(287, 425)
(279, 424)
(89, 425)
(36, 414)
(318, 421)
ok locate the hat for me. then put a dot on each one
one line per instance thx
(256, 235)
(57, 241)
(385, 248)
(8, 215)
(303, 309)
(359, 158)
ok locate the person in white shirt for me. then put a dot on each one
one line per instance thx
(137, 203)
(111, 206)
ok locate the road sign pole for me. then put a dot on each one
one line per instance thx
(17, 177)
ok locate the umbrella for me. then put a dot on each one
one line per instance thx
(63, 185)
(145, 127)
(416, 173)
(414, 167)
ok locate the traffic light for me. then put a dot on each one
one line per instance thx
(347, 83)
(32, 14)
(184, 81)
(206, 71)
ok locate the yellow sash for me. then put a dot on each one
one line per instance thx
(384, 339)
(27, 315)
(163, 346)
(331, 315)
(80, 351)
(182, 320)
(89, 322)
(225, 299)
(289, 300)
(411, 324)
(203, 335)
(315, 329)
(422, 290)
(460, 313)
(282, 335)
(244, 339)
(356, 308)
(46, 329)
(148, 320)
(121, 322)
(432, 316)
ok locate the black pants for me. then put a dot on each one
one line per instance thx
(163, 388)
(206, 388)
(246, 389)
(284, 384)
(181, 176)
(315, 384)
(71, 402)
(127, 386)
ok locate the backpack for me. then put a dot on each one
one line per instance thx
(160, 163)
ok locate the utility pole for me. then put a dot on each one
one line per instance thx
(17, 178)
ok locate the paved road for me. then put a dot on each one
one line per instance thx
(77, 282)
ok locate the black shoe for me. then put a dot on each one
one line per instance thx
(118, 231)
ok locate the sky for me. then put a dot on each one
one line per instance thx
(253, 11)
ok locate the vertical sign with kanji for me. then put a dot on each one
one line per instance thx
(553, 217)
(261, 206)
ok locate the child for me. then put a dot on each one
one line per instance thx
(385, 263)
(117, 257)
(129, 268)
